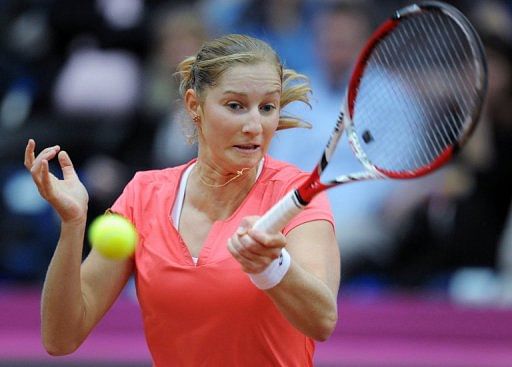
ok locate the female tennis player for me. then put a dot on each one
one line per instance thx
(212, 290)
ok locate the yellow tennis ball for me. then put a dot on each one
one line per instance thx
(113, 236)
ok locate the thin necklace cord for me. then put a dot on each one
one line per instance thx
(239, 173)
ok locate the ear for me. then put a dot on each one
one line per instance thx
(192, 103)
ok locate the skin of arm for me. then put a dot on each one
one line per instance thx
(307, 295)
(75, 296)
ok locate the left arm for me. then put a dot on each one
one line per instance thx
(307, 295)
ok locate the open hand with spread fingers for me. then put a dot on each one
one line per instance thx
(68, 196)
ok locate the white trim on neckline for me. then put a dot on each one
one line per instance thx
(180, 196)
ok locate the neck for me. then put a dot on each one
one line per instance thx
(213, 177)
(218, 195)
(212, 182)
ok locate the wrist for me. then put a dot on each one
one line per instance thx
(74, 224)
(273, 273)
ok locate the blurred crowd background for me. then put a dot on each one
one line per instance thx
(96, 77)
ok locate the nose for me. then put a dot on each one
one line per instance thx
(253, 124)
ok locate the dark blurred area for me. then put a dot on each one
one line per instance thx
(96, 77)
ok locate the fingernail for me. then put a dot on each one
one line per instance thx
(240, 230)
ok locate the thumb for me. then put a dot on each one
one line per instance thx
(68, 171)
(246, 224)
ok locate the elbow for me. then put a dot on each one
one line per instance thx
(326, 328)
(324, 334)
(57, 351)
(59, 348)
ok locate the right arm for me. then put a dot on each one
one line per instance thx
(75, 295)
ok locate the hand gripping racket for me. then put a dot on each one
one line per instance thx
(412, 101)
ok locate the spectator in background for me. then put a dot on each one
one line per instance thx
(340, 30)
(457, 217)
(96, 96)
(176, 34)
(27, 70)
(69, 71)
(499, 51)
(286, 24)
(96, 83)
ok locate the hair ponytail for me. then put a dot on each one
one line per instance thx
(186, 75)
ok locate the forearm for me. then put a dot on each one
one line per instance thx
(62, 307)
(304, 283)
(307, 302)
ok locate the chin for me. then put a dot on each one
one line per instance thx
(247, 161)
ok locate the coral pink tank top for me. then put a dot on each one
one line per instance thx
(209, 313)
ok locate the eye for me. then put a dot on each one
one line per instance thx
(235, 106)
(268, 108)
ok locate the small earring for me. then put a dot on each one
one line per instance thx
(196, 118)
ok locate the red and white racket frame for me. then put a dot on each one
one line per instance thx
(296, 200)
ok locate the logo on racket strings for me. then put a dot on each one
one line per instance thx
(367, 137)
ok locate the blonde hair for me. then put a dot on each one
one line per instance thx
(216, 56)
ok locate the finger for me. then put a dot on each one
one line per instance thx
(268, 240)
(232, 249)
(251, 246)
(241, 252)
(47, 154)
(241, 245)
(251, 262)
(248, 244)
(29, 153)
(45, 182)
(245, 224)
(35, 171)
(253, 252)
(37, 165)
(235, 253)
(68, 171)
(248, 247)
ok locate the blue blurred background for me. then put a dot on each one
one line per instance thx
(426, 264)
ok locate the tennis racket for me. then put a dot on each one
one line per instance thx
(412, 101)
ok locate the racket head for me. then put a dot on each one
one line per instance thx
(416, 91)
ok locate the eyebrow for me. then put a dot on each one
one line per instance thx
(245, 94)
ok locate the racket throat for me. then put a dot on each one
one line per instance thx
(299, 200)
(307, 191)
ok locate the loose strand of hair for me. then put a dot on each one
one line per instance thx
(184, 71)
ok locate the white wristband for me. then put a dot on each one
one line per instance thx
(274, 272)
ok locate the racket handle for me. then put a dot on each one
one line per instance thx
(280, 214)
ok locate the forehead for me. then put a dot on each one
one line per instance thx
(243, 77)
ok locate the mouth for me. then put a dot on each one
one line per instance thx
(247, 148)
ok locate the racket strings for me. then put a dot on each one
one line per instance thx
(444, 132)
(412, 122)
(387, 134)
(456, 48)
(394, 111)
(440, 137)
(439, 140)
(422, 80)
